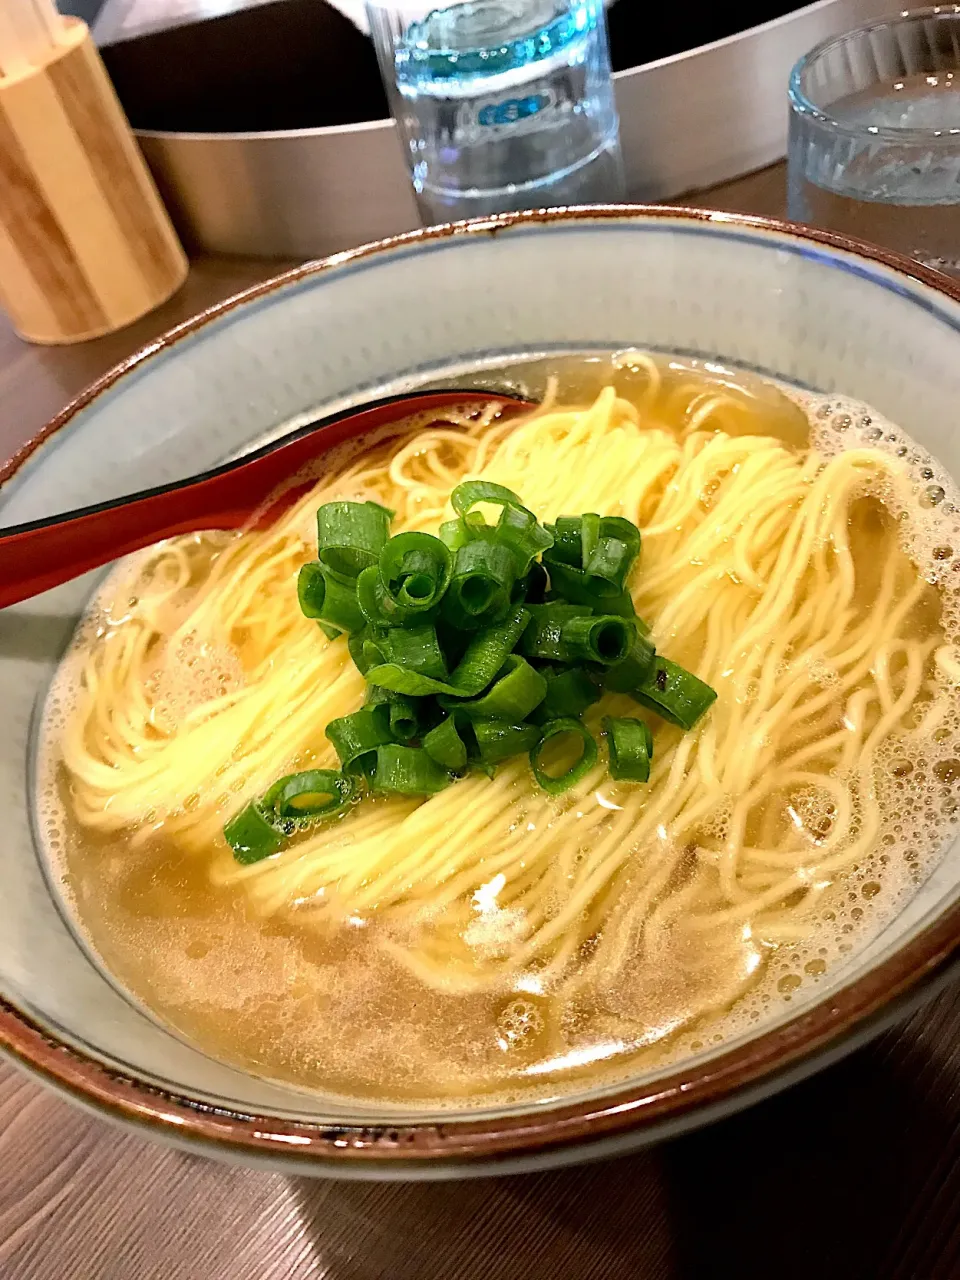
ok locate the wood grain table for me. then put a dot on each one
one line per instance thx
(853, 1175)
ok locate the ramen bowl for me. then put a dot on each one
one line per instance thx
(808, 309)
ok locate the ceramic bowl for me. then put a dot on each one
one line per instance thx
(808, 308)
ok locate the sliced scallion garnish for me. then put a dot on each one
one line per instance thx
(403, 714)
(567, 541)
(485, 655)
(543, 637)
(408, 771)
(415, 649)
(313, 793)
(468, 642)
(481, 585)
(579, 587)
(609, 546)
(254, 835)
(415, 570)
(674, 693)
(350, 536)
(605, 640)
(498, 740)
(357, 736)
(569, 693)
(633, 669)
(629, 747)
(517, 527)
(445, 745)
(517, 689)
(566, 727)
(327, 599)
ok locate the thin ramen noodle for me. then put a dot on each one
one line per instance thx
(492, 939)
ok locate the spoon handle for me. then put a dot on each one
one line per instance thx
(250, 492)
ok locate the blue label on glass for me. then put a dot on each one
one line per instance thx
(512, 110)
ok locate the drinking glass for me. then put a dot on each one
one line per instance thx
(501, 104)
(875, 135)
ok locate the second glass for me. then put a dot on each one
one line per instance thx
(875, 136)
(501, 104)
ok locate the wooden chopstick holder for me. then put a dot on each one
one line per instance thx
(86, 245)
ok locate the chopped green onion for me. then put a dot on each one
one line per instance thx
(408, 771)
(609, 545)
(332, 633)
(314, 793)
(542, 638)
(254, 835)
(454, 534)
(479, 600)
(445, 745)
(415, 649)
(264, 826)
(533, 587)
(627, 675)
(581, 588)
(328, 599)
(350, 536)
(605, 640)
(379, 608)
(589, 536)
(630, 747)
(517, 528)
(555, 786)
(485, 655)
(355, 737)
(599, 549)
(373, 646)
(453, 641)
(498, 740)
(480, 585)
(340, 608)
(570, 633)
(365, 649)
(355, 645)
(373, 601)
(520, 531)
(403, 714)
(567, 541)
(674, 693)
(517, 690)
(471, 493)
(373, 652)
(569, 693)
(415, 570)
(311, 589)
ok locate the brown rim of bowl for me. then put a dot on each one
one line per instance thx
(913, 968)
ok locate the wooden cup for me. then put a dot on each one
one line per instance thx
(86, 245)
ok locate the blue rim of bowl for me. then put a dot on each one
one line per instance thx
(803, 107)
(547, 1133)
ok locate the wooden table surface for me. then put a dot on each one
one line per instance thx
(853, 1175)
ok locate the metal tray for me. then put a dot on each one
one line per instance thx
(261, 124)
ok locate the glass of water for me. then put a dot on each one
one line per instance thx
(501, 104)
(875, 136)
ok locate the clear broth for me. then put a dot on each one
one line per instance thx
(330, 1010)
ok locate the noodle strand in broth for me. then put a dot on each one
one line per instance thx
(616, 914)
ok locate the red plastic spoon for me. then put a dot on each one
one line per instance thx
(251, 492)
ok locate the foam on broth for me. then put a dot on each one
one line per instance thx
(332, 1011)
